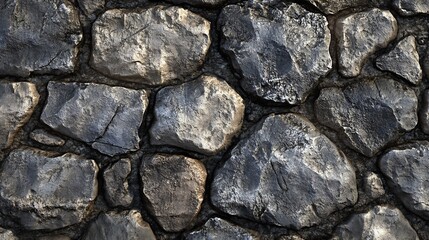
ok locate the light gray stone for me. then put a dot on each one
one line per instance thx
(7, 234)
(115, 178)
(291, 237)
(285, 173)
(411, 7)
(280, 52)
(200, 2)
(217, 228)
(43, 137)
(373, 185)
(424, 112)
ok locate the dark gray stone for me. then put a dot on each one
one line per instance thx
(43, 137)
(217, 228)
(116, 184)
(411, 7)
(200, 2)
(91, 7)
(334, 6)
(424, 112)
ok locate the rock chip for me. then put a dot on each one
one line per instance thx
(17, 103)
(285, 173)
(281, 52)
(411, 7)
(202, 115)
(217, 228)
(359, 35)
(45, 190)
(38, 36)
(381, 223)
(373, 185)
(106, 117)
(153, 46)
(424, 112)
(199, 2)
(43, 137)
(173, 188)
(116, 183)
(368, 114)
(7, 234)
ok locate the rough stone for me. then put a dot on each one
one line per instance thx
(280, 52)
(7, 234)
(359, 35)
(116, 183)
(411, 7)
(43, 137)
(380, 223)
(333, 7)
(54, 237)
(424, 112)
(123, 225)
(368, 114)
(202, 115)
(285, 173)
(173, 187)
(200, 2)
(217, 228)
(47, 190)
(17, 103)
(91, 7)
(291, 237)
(153, 46)
(373, 185)
(403, 60)
(38, 36)
(106, 117)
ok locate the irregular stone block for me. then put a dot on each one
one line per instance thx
(373, 185)
(116, 183)
(43, 137)
(217, 228)
(89, 7)
(199, 2)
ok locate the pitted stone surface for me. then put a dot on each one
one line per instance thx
(115, 178)
(280, 52)
(43, 137)
(217, 228)
(285, 173)
(411, 7)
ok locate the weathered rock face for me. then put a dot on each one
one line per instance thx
(217, 228)
(43, 137)
(368, 114)
(424, 112)
(202, 115)
(47, 191)
(173, 187)
(361, 34)
(152, 46)
(381, 223)
(200, 2)
(407, 171)
(17, 103)
(411, 7)
(38, 36)
(106, 117)
(116, 183)
(285, 173)
(280, 52)
(7, 235)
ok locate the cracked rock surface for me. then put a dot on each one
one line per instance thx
(115, 178)
(217, 228)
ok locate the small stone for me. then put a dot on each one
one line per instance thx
(153, 46)
(54, 237)
(17, 103)
(202, 116)
(108, 118)
(217, 228)
(43, 137)
(381, 223)
(38, 36)
(424, 112)
(45, 190)
(361, 34)
(90, 7)
(116, 183)
(281, 52)
(411, 7)
(368, 114)
(291, 237)
(200, 2)
(373, 185)
(7, 234)
(173, 187)
(123, 225)
(333, 7)
(285, 173)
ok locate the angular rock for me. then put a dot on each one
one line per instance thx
(123, 225)
(424, 112)
(201, 116)
(152, 46)
(17, 103)
(116, 184)
(368, 114)
(43, 137)
(411, 7)
(359, 35)
(285, 173)
(217, 228)
(332, 7)
(173, 187)
(373, 185)
(280, 52)
(403, 60)
(45, 190)
(106, 117)
(90, 7)
(199, 2)
(38, 36)
(7, 234)
(381, 223)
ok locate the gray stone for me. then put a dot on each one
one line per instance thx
(7, 234)
(152, 46)
(38, 36)
(202, 115)
(217, 228)
(46, 190)
(285, 173)
(411, 7)
(380, 223)
(280, 52)
(373, 185)
(91, 7)
(333, 7)
(124, 225)
(116, 183)
(407, 172)
(106, 117)
(54, 237)
(359, 35)
(200, 2)
(368, 114)
(43, 137)
(173, 187)
(290, 237)
(424, 112)
(403, 60)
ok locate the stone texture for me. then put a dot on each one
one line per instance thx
(290, 237)
(424, 112)
(333, 7)
(124, 225)
(153, 46)
(373, 185)
(54, 237)
(106, 117)
(368, 114)
(7, 234)
(217, 228)
(45, 190)
(285, 173)
(280, 52)
(403, 60)
(38, 36)
(411, 7)
(43, 137)
(17, 103)
(200, 2)
(173, 188)
(91, 7)
(116, 183)
(202, 115)
(380, 223)
(359, 35)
